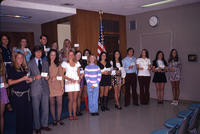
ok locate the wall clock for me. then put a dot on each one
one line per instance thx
(153, 21)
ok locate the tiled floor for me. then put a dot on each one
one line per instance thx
(130, 120)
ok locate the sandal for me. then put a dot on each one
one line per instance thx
(61, 122)
(75, 118)
(54, 123)
(71, 118)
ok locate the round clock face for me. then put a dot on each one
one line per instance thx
(153, 21)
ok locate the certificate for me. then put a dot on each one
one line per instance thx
(46, 49)
(59, 77)
(26, 49)
(95, 85)
(161, 64)
(107, 69)
(133, 64)
(76, 45)
(84, 57)
(2, 85)
(44, 74)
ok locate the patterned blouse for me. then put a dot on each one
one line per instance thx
(176, 74)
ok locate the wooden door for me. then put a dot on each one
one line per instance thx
(111, 43)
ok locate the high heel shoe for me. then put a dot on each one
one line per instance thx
(75, 118)
(71, 118)
(118, 107)
(54, 123)
(102, 108)
(61, 122)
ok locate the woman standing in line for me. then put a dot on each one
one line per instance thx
(86, 54)
(22, 48)
(144, 77)
(19, 79)
(174, 74)
(72, 82)
(105, 82)
(93, 77)
(118, 76)
(82, 67)
(159, 68)
(3, 93)
(56, 85)
(7, 59)
(67, 46)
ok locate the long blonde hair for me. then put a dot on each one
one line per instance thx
(24, 64)
(74, 59)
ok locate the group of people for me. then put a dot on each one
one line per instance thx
(38, 79)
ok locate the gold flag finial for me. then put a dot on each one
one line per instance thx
(100, 12)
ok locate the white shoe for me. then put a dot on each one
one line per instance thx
(173, 102)
(176, 103)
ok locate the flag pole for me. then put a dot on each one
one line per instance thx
(101, 25)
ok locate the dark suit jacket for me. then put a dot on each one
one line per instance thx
(41, 86)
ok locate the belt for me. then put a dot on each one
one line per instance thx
(20, 94)
(7, 63)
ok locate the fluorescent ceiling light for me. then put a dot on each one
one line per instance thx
(15, 16)
(37, 6)
(157, 3)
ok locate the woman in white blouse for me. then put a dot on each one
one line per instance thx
(144, 76)
(72, 82)
(118, 75)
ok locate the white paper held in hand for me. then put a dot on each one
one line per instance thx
(95, 85)
(59, 77)
(26, 49)
(133, 64)
(2, 85)
(108, 69)
(76, 45)
(44, 74)
(84, 57)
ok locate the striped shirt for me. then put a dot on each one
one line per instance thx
(92, 74)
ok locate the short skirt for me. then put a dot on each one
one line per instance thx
(75, 87)
(159, 77)
(105, 80)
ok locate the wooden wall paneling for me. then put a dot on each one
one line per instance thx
(123, 44)
(15, 37)
(50, 29)
(88, 31)
(85, 29)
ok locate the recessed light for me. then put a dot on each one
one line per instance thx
(157, 3)
(15, 16)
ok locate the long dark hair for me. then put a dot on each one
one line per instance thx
(147, 53)
(7, 38)
(85, 51)
(56, 61)
(19, 42)
(78, 52)
(171, 56)
(114, 60)
(163, 58)
(100, 57)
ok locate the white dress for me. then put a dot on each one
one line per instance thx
(71, 72)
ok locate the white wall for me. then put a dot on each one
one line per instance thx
(179, 28)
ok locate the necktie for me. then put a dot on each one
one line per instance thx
(39, 66)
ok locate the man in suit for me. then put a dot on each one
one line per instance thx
(45, 47)
(39, 70)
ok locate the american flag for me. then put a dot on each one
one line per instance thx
(101, 46)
